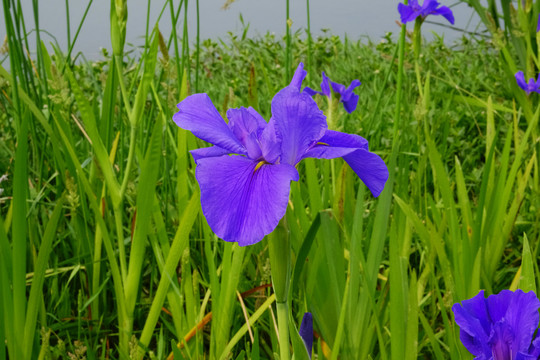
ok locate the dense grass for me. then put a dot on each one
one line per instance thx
(104, 251)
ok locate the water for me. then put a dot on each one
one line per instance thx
(354, 18)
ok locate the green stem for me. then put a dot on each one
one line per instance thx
(131, 153)
(283, 328)
(279, 251)
(288, 46)
(120, 241)
(417, 43)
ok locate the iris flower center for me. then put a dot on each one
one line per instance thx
(259, 164)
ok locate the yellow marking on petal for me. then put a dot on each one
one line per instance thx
(258, 166)
(321, 143)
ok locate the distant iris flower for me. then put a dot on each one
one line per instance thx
(531, 86)
(347, 96)
(306, 332)
(500, 327)
(430, 7)
(244, 196)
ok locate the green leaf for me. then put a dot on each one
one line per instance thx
(527, 281)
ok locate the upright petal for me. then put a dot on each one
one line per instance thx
(325, 86)
(298, 77)
(270, 140)
(242, 200)
(521, 316)
(299, 122)
(407, 13)
(246, 124)
(198, 115)
(501, 339)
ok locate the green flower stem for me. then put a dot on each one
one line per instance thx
(279, 249)
(131, 153)
(283, 327)
(417, 43)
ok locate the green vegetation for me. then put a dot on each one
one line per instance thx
(104, 252)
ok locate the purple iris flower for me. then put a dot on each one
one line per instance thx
(244, 196)
(306, 332)
(530, 86)
(429, 7)
(538, 24)
(500, 327)
(347, 96)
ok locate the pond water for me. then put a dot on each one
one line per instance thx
(354, 18)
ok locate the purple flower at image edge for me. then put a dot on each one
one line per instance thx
(430, 7)
(538, 24)
(306, 332)
(347, 95)
(245, 177)
(500, 327)
(531, 86)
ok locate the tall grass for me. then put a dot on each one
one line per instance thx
(105, 254)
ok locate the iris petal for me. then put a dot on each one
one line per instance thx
(522, 316)
(299, 121)
(445, 12)
(469, 318)
(500, 340)
(211, 151)
(520, 79)
(242, 204)
(198, 115)
(246, 124)
(369, 167)
(306, 332)
(407, 13)
(298, 77)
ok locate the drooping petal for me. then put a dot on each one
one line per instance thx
(521, 316)
(348, 97)
(306, 332)
(407, 13)
(299, 122)
(242, 201)
(445, 12)
(475, 327)
(211, 151)
(336, 144)
(369, 167)
(311, 92)
(298, 77)
(198, 115)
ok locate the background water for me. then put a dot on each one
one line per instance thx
(354, 18)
